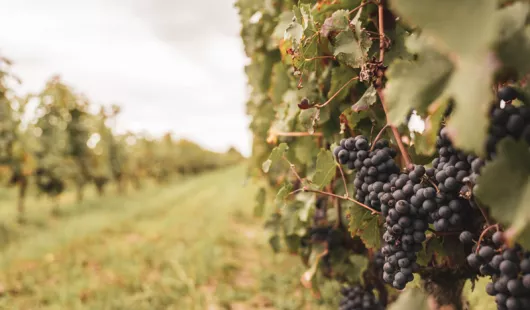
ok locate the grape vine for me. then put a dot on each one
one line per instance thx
(333, 87)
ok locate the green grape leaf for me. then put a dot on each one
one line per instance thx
(470, 87)
(426, 141)
(305, 150)
(359, 266)
(309, 119)
(276, 155)
(260, 202)
(332, 6)
(504, 185)
(284, 20)
(354, 118)
(339, 77)
(294, 32)
(274, 242)
(364, 224)
(357, 216)
(291, 221)
(279, 83)
(352, 49)
(432, 246)
(398, 49)
(338, 21)
(416, 84)
(325, 169)
(367, 100)
(467, 41)
(292, 242)
(304, 15)
(283, 193)
(287, 111)
(411, 299)
(273, 227)
(470, 31)
(514, 43)
(309, 200)
(372, 232)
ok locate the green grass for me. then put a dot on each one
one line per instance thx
(192, 244)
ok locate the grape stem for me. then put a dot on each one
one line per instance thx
(293, 169)
(320, 106)
(395, 132)
(378, 136)
(433, 184)
(295, 134)
(319, 57)
(306, 189)
(296, 191)
(341, 197)
(360, 6)
(483, 234)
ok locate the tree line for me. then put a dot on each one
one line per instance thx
(57, 140)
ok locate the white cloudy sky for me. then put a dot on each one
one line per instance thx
(171, 64)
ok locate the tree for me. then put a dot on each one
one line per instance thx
(13, 150)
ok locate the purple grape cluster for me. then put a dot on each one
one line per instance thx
(359, 298)
(452, 172)
(405, 224)
(509, 121)
(373, 167)
(509, 269)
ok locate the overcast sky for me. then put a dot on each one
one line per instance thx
(171, 64)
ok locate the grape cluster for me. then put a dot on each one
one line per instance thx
(451, 170)
(359, 298)
(374, 167)
(509, 269)
(509, 121)
(405, 204)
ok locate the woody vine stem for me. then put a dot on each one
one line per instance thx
(380, 90)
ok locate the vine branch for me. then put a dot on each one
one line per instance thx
(395, 132)
(306, 189)
(295, 134)
(381, 10)
(483, 234)
(360, 6)
(319, 57)
(343, 198)
(319, 106)
(378, 136)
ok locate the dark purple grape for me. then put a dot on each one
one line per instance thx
(466, 237)
(486, 253)
(508, 268)
(507, 93)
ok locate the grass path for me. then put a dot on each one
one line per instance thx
(189, 245)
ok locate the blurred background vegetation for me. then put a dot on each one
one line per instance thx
(66, 142)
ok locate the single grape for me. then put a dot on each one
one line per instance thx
(507, 93)
(508, 268)
(466, 237)
(473, 260)
(486, 253)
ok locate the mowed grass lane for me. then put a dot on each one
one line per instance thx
(192, 244)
